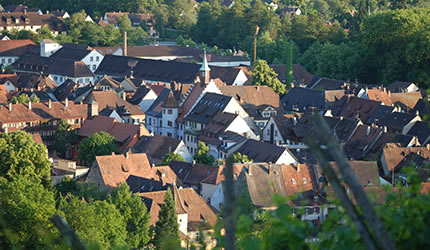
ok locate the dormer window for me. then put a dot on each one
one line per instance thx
(293, 181)
(27, 20)
(304, 181)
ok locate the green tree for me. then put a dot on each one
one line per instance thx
(82, 190)
(25, 209)
(240, 158)
(63, 137)
(95, 222)
(171, 157)
(21, 156)
(135, 216)
(264, 75)
(22, 99)
(100, 143)
(202, 155)
(167, 227)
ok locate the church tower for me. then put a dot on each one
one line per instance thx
(204, 70)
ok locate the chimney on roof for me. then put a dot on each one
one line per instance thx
(10, 107)
(368, 130)
(66, 103)
(142, 130)
(194, 163)
(113, 153)
(93, 108)
(428, 146)
(49, 103)
(127, 154)
(124, 45)
(29, 105)
(292, 85)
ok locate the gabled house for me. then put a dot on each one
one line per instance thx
(394, 158)
(108, 101)
(192, 174)
(203, 111)
(9, 82)
(421, 130)
(59, 69)
(354, 108)
(124, 133)
(398, 122)
(144, 98)
(33, 21)
(260, 102)
(157, 146)
(193, 212)
(91, 57)
(379, 95)
(212, 133)
(136, 19)
(109, 171)
(402, 87)
(265, 152)
(212, 186)
(41, 117)
(303, 100)
(361, 141)
(12, 50)
(260, 182)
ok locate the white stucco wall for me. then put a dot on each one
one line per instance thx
(147, 100)
(93, 60)
(183, 151)
(217, 198)
(207, 190)
(240, 126)
(286, 158)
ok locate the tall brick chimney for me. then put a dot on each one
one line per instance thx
(124, 45)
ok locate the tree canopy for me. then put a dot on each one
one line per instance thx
(24, 99)
(135, 216)
(167, 227)
(25, 209)
(21, 156)
(264, 75)
(171, 157)
(63, 137)
(202, 155)
(100, 143)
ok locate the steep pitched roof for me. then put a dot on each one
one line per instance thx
(72, 51)
(208, 106)
(407, 99)
(42, 112)
(17, 47)
(421, 130)
(216, 177)
(398, 86)
(153, 70)
(120, 131)
(141, 92)
(156, 147)
(115, 169)
(65, 89)
(188, 201)
(366, 172)
(361, 141)
(261, 151)
(395, 155)
(253, 95)
(18, 19)
(354, 107)
(58, 66)
(264, 180)
(35, 81)
(112, 100)
(379, 95)
(303, 99)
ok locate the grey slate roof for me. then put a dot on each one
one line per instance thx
(303, 100)
(208, 106)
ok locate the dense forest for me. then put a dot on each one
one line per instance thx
(370, 41)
